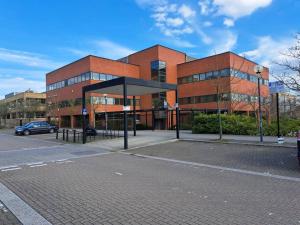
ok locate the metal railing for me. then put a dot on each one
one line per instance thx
(75, 136)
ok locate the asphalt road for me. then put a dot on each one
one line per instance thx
(21, 150)
(174, 183)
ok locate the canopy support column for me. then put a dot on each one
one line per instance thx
(83, 118)
(177, 114)
(134, 116)
(125, 116)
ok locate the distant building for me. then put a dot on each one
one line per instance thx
(22, 107)
(288, 105)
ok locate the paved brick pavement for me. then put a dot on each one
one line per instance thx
(124, 189)
(274, 160)
(20, 150)
(6, 217)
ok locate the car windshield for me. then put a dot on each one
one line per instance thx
(28, 125)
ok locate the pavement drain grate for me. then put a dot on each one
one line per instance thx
(6, 216)
(89, 152)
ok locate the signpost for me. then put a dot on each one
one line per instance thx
(84, 112)
(126, 108)
(276, 88)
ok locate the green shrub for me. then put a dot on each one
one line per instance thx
(242, 125)
(288, 127)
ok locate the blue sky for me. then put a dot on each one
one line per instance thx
(39, 36)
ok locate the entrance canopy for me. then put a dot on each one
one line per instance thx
(135, 87)
(128, 86)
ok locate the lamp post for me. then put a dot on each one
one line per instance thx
(105, 101)
(258, 70)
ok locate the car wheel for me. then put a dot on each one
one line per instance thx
(51, 130)
(26, 132)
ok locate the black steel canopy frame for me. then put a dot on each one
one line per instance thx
(128, 86)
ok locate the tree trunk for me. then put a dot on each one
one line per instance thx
(219, 117)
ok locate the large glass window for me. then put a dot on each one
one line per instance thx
(158, 71)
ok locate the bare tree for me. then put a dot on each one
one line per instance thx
(3, 112)
(222, 86)
(290, 66)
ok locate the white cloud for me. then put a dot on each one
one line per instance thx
(231, 9)
(186, 11)
(206, 7)
(239, 8)
(174, 22)
(27, 59)
(269, 50)
(181, 43)
(103, 47)
(207, 24)
(18, 84)
(228, 22)
(9, 72)
(144, 3)
(112, 50)
(225, 41)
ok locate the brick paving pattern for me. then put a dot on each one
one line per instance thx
(275, 160)
(123, 189)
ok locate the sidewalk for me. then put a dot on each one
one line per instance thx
(148, 137)
(268, 140)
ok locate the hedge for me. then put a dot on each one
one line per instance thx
(241, 125)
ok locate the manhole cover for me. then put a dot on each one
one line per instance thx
(89, 152)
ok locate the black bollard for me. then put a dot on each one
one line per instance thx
(74, 136)
(67, 139)
(63, 134)
(298, 146)
(57, 134)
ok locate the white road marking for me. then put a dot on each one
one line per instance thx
(28, 149)
(60, 160)
(35, 163)
(152, 144)
(25, 214)
(11, 169)
(117, 173)
(38, 165)
(64, 162)
(249, 172)
(7, 167)
(65, 159)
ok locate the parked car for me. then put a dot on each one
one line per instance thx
(35, 128)
(90, 131)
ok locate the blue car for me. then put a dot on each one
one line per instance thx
(35, 128)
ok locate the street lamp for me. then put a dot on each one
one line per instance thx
(258, 70)
(105, 100)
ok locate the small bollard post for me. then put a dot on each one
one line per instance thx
(57, 134)
(74, 136)
(67, 139)
(298, 146)
(63, 134)
(280, 140)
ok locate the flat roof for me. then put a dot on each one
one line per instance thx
(135, 87)
(223, 53)
(154, 46)
(88, 56)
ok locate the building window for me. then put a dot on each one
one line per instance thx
(158, 71)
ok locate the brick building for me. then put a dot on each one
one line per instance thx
(199, 82)
(22, 107)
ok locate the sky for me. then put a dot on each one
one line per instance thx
(37, 37)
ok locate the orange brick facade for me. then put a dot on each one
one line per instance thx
(138, 65)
